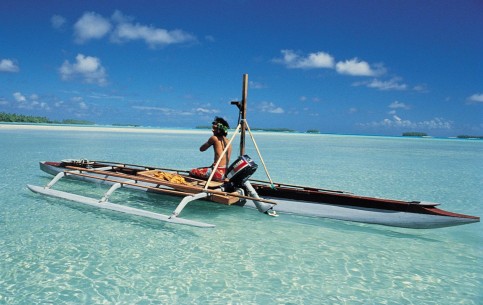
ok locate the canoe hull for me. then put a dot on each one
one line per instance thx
(366, 215)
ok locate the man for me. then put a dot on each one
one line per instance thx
(219, 142)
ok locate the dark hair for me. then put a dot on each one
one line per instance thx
(223, 122)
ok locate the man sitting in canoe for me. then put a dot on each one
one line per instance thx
(219, 142)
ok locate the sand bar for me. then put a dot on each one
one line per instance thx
(100, 129)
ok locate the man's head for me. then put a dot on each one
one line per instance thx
(220, 126)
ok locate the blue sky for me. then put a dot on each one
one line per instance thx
(348, 67)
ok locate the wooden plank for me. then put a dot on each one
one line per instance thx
(146, 167)
(194, 182)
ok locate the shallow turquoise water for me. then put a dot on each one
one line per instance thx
(55, 252)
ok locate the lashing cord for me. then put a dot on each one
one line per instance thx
(260, 155)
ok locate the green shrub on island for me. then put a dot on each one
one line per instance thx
(414, 134)
(313, 131)
(76, 122)
(273, 129)
(20, 118)
(469, 137)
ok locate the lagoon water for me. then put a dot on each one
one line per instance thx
(55, 252)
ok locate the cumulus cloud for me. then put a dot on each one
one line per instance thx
(19, 97)
(88, 68)
(57, 22)
(121, 29)
(8, 65)
(31, 102)
(475, 98)
(312, 61)
(270, 108)
(91, 26)
(318, 60)
(150, 35)
(356, 67)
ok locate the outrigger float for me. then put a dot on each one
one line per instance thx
(238, 189)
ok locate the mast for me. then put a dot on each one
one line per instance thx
(243, 113)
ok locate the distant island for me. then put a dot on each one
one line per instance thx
(20, 118)
(414, 134)
(125, 125)
(469, 137)
(255, 129)
(423, 134)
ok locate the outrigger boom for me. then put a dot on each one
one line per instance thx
(265, 196)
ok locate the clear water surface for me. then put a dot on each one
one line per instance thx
(55, 252)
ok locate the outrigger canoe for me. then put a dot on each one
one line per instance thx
(282, 198)
(239, 190)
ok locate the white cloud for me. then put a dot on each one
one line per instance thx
(392, 84)
(121, 29)
(420, 88)
(83, 105)
(152, 36)
(87, 67)
(206, 110)
(353, 110)
(57, 22)
(476, 98)
(398, 105)
(149, 110)
(270, 108)
(312, 61)
(19, 97)
(8, 65)
(256, 85)
(91, 26)
(356, 67)
(397, 122)
(32, 102)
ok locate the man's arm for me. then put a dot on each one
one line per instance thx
(208, 143)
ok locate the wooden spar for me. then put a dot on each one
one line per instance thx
(243, 113)
(140, 166)
(303, 187)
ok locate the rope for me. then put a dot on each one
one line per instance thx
(260, 155)
(220, 158)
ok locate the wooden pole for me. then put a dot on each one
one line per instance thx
(243, 113)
